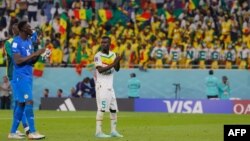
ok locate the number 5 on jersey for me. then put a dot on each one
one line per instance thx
(104, 105)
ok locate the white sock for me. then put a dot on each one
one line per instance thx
(113, 121)
(99, 118)
(26, 129)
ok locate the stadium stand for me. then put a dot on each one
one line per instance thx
(195, 33)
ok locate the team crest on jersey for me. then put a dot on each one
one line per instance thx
(14, 45)
(26, 96)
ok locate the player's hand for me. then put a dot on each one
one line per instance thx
(117, 59)
(46, 54)
(38, 41)
(39, 52)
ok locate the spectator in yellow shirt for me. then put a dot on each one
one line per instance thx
(243, 55)
(203, 56)
(73, 41)
(215, 57)
(128, 56)
(159, 53)
(77, 29)
(229, 56)
(143, 57)
(225, 30)
(174, 56)
(56, 56)
(190, 55)
(47, 29)
(209, 35)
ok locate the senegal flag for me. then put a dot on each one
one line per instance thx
(145, 16)
(83, 14)
(81, 59)
(104, 15)
(193, 4)
(63, 23)
(39, 68)
(169, 17)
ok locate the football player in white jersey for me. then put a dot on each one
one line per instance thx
(106, 62)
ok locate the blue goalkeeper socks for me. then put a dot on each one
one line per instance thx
(30, 117)
(18, 113)
(24, 121)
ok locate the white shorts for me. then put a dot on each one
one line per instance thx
(105, 99)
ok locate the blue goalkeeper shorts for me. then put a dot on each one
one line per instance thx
(23, 89)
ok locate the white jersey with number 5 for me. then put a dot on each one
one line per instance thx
(105, 95)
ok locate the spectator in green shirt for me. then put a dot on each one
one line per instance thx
(212, 83)
(134, 86)
(224, 88)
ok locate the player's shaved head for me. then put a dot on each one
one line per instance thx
(21, 25)
(25, 28)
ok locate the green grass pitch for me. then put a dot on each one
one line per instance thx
(135, 126)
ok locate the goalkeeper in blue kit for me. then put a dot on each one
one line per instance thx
(24, 57)
(9, 66)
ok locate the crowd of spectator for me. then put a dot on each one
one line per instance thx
(151, 33)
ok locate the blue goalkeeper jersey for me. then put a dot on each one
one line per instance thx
(24, 48)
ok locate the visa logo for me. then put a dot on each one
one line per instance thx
(188, 106)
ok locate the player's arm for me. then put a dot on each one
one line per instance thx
(34, 60)
(31, 58)
(35, 41)
(103, 69)
(115, 64)
(118, 59)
